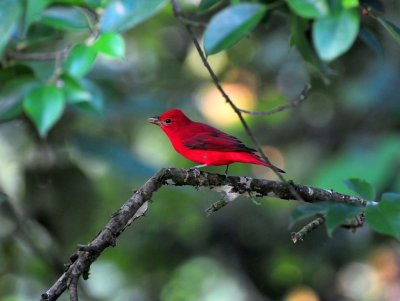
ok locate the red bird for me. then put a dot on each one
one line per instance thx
(204, 144)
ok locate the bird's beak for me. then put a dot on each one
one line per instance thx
(155, 120)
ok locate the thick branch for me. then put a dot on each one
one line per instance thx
(136, 206)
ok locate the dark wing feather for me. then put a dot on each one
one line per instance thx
(215, 140)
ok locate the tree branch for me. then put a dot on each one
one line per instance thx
(299, 236)
(295, 102)
(37, 56)
(136, 207)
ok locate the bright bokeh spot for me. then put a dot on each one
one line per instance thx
(214, 107)
(152, 146)
(385, 264)
(195, 65)
(302, 294)
(204, 279)
(276, 157)
(358, 281)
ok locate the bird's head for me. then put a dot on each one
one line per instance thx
(170, 121)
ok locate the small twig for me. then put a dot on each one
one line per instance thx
(295, 102)
(180, 16)
(216, 206)
(193, 23)
(46, 255)
(38, 56)
(73, 289)
(299, 236)
(358, 222)
(57, 70)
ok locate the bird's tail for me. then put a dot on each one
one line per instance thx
(276, 168)
(261, 162)
(255, 159)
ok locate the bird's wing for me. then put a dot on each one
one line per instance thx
(209, 138)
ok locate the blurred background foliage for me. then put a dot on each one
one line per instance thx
(74, 143)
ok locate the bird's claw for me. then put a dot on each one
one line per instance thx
(196, 171)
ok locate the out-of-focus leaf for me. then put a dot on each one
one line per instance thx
(385, 217)
(351, 162)
(350, 3)
(334, 35)
(298, 29)
(65, 17)
(305, 211)
(80, 60)
(109, 151)
(44, 105)
(393, 30)
(12, 93)
(73, 90)
(97, 3)
(371, 40)
(232, 24)
(206, 5)
(338, 214)
(361, 187)
(33, 10)
(10, 11)
(96, 103)
(309, 8)
(70, 2)
(375, 4)
(111, 43)
(121, 15)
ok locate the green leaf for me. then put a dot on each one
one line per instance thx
(309, 8)
(334, 35)
(121, 15)
(361, 187)
(111, 43)
(10, 11)
(385, 217)
(299, 38)
(97, 3)
(305, 211)
(80, 60)
(33, 10)
(350, 3)
(96, 103)
(230, 25)
(392, 29)
(12, 93)
(74, 91)
(66, 18)
(206, 5)
(44, 105)
(338, 214)
(369, 38)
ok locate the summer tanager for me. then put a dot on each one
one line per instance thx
(205, 144)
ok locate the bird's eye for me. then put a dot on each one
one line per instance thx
(168, 120)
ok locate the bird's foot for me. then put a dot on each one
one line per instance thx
(196, 172)
(196, 169)
(226, 171)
